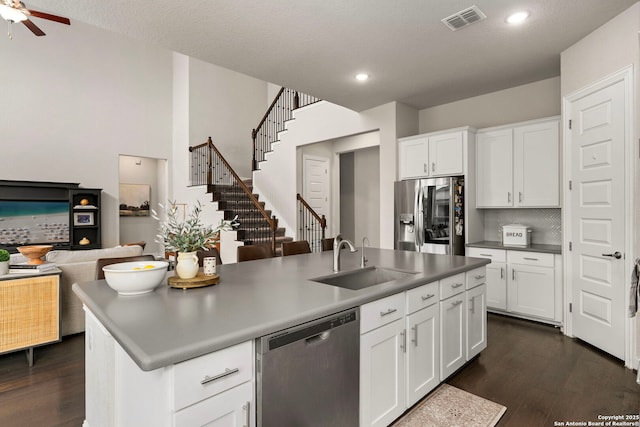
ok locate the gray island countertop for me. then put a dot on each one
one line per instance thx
(253, 299)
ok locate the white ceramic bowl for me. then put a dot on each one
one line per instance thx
(135, 277)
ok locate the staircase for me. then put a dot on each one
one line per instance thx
(253, 229)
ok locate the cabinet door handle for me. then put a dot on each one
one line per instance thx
(403, 341)
(531, 259)
(428, 296)
(246, 407)
(415, 335)
(472, 303)
(513, 274)
(433, 166)
(391, 310)
(207, 379)
(456, 285)
(425, 170)
(520, 196)
(479, 276)
(508, 196)
(502, 272)
(489, 255)
(456, 303)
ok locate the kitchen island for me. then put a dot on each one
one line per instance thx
(152, 334)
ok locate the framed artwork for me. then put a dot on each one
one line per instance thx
(135, 200)
(83, 218)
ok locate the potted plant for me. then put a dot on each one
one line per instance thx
(4, 261)
(188, 236)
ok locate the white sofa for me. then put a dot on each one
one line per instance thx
(78, 267)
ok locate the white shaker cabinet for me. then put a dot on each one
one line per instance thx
(518, 165)
(423, 342)
(453, 325)
(476, 321)
(382, 361)
(494, 168)
(523, 283)
(433, 154)
(213, 389)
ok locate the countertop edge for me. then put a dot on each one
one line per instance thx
(535, 247)
(149, 362)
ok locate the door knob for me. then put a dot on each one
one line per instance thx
(616, 255)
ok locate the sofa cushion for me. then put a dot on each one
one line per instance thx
(65, 257)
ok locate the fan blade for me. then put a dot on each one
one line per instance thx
(33, 27)
(50, 17)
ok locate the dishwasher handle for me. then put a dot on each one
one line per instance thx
(311, 332)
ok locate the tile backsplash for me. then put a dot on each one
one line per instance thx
(546, 224)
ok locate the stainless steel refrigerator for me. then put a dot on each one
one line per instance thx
(429, 215)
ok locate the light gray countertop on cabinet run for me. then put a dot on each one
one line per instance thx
(253, 299)
(534, 247)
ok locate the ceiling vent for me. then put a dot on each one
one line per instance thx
(464, 18)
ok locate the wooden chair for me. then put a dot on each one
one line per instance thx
(251, 252)
(327, 244)
(213, 252)
(101, 262)
(295, 248)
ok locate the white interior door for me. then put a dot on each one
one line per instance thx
(316, 184)
(598, 227)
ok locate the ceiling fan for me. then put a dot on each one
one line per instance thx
(15, 11)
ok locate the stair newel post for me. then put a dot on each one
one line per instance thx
(209, 161)
(274, 227)
(254, 163)
(323, 224)
(296, 100)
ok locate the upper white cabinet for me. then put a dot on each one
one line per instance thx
(433, 154)
(518, 165)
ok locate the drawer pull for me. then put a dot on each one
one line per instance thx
(391, 310)
(457, 285)
(456, 303)
(479, 276)
(531, 259)
(428, 296)
(207, 379)
(489, 255)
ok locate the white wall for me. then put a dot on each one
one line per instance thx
(520, 103)
(276, 181)
(142, 170)
(607, 50)
(76, 99)
(367, 195)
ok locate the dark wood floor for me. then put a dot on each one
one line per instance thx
(540, 375)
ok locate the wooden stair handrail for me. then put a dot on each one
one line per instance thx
(264, 118)
(322, 220)
(272, 221)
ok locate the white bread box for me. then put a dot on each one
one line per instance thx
(516, 235)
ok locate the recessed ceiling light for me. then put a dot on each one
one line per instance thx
(361, 77)
(517, 18)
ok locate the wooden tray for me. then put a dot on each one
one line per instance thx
(199, 281)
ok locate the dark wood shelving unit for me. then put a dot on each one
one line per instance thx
(84, 218)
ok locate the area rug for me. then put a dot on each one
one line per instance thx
(449, 406)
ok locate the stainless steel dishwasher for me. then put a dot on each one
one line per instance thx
(309, 375)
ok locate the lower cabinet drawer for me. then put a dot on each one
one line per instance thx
(232, 408)
(476, 277)
(208, 375)
(499, 255)
(380, 312)
(530, 258)
(452, 285)
(422, 297)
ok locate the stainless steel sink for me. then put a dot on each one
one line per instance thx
(363, 277)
